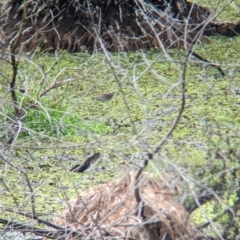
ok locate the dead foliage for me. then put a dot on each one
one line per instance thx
(128, 25)
(111, 211)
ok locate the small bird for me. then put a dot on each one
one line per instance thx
(104, 97)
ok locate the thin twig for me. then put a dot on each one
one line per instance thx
(209, 63)
(30, 216)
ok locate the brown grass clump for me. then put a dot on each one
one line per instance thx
(87, 25)
(111, 210)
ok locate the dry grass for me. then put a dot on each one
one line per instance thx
(112, 210)
(78, 26)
